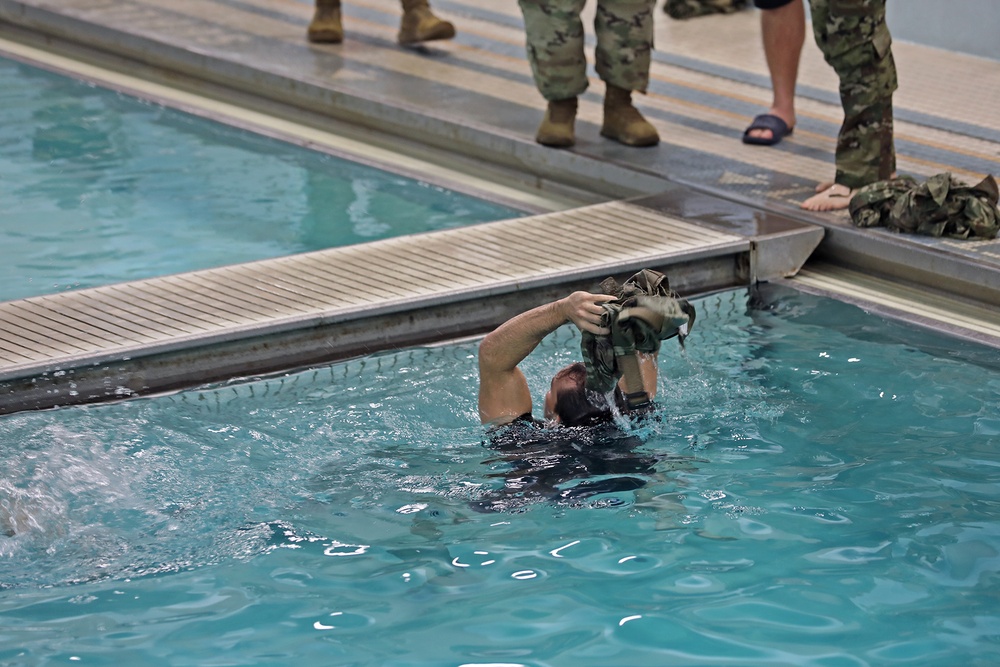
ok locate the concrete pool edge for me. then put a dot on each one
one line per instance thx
(932, 309)
(216, 74)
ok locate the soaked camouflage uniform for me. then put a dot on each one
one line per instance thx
(602, 354)
(686, 9)
(855, 41)
(555, 39)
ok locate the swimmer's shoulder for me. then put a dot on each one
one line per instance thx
(526, 419)
(516, 430)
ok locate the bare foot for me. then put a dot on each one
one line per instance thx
(834, 198)
(825, 185)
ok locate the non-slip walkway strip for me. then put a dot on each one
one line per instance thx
(930, 309)
(88, 327)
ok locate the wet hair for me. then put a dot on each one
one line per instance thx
(579, 406)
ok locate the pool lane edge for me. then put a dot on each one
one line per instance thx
(284, 314)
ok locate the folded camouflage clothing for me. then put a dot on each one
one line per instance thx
(644, 313)
(941, 206)
(686, 9)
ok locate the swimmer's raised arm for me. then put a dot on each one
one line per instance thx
(503, 389)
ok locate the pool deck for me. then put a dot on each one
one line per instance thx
(471, 100)
(176, 331)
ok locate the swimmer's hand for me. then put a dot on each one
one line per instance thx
(666, 316)
(585, 311)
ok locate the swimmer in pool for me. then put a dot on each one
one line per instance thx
(550, 459)
(572, 398)
(503, 389)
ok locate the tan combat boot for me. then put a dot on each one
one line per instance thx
(420, 25)
(623, 122)
(325, 27)
(556, 129)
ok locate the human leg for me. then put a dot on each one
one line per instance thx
(554, 35)
(419, 24)
(624, 31)
(858, 46)
(783, 30)
(325, 27)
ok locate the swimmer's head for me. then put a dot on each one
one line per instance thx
(569, 402)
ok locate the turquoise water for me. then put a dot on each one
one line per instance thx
(825, 491)
(97, 187)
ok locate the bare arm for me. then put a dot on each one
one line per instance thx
(503, 389)
(667, 316)
(648, 371)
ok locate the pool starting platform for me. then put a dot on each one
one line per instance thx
(701, 206)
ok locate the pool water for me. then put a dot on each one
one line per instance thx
(98, 187)
(825, 491)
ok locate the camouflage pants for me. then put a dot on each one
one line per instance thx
(555, 37)
(855, 41)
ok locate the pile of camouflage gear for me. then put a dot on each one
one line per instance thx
(941, 206)
(686, 9)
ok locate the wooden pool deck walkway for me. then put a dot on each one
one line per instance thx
(716, 211)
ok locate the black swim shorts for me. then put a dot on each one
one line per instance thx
(770, 4)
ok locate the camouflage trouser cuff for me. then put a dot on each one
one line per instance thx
(630, 85)
(854, 182)
(562, 93)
